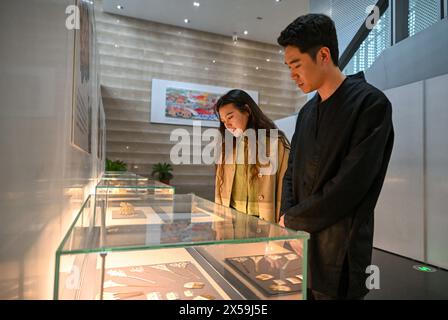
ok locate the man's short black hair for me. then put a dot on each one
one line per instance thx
(311, 32)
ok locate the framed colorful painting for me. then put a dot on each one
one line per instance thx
(182, 103)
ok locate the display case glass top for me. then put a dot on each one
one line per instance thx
(137, 182)
(119, 174)
(151, 222)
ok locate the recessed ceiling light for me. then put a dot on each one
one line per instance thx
(280, 51)
(127, 147)
(116, 46)
(278, 1)
(196, 4)
(246, 32)
(120, 7)
(256, 68)
(268, 60)
(214, 61)
(187, 20)
(118, 21)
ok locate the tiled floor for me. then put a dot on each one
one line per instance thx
(399, 280)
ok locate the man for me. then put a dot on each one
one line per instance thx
(339, 155)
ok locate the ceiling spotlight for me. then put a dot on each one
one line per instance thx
(246, 32)
(120, 7)
(267, 60)
(118, 21)
(256, 68)
(278, 1)
(214, 61)
(196, 4)
(187, 20)
(116, 46)
(127, 147)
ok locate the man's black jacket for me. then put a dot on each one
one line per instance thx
(338, 160)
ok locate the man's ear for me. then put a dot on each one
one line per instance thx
(324, 55)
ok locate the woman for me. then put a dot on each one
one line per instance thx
(243, 184)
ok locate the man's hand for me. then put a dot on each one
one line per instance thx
(281, 223)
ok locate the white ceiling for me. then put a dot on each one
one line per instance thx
(217, 16)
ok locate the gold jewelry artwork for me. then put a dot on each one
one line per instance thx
(172, 296)
(282, 288)
(126, 209)
(194, 285)
(293, 280)
(264, 277)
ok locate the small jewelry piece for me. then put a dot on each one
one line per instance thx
(188, 293)
(276, 287)
(294, 280)
(299, 276)
(279, 282)
(172, 296)
(264, 277)
(153, 296)
(126, 209)
(194, 285)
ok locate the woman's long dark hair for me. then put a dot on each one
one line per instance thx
(257, 120)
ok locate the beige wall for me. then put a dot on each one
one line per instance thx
(148, 50)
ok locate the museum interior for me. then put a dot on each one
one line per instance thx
(99, 98)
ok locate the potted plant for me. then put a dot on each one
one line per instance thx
(116, 165)
(162, 172)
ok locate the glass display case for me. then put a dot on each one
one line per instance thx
(183, 247)
(111, 175)
(129, 187)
